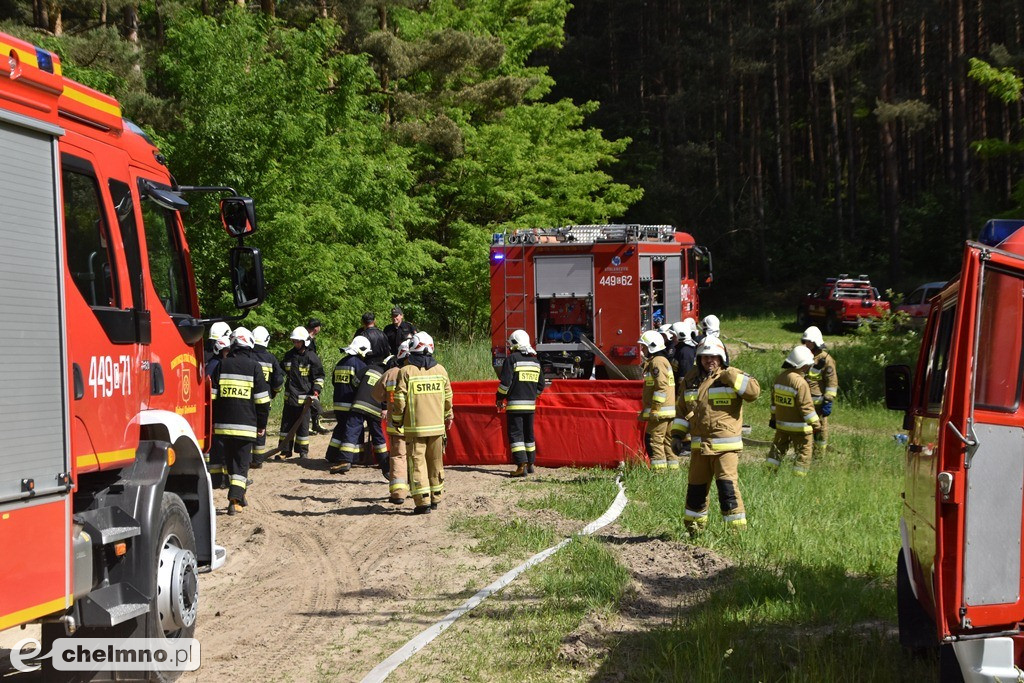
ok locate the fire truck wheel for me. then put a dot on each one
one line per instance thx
(177, 579)
(832, 325)
(917, 631)
(803, 321)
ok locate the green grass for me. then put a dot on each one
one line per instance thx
(465, 360)
(515, 538)
(586, 497)
(516, 635)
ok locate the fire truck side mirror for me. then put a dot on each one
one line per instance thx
(247, 276)
(897, 387)
(238, 214)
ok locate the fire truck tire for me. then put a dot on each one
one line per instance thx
(803, 321)
(172, 614)
(832, 325)
(917, 631)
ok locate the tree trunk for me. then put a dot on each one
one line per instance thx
(890, 164)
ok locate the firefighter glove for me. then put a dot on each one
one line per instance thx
(678, 445)
(826, 408)
(771, 422)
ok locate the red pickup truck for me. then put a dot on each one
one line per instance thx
(841, 302)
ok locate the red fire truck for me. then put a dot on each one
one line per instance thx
(106, 508)
(960, 585)
(587, 291)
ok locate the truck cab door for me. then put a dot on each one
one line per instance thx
(980, 486)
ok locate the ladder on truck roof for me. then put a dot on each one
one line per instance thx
(590, 234)
(514, 289)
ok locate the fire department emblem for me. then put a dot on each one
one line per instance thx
(616, 261)
(184, 365)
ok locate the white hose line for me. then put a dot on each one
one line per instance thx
(384, 669)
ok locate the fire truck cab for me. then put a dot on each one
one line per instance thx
(106, 507)
(960, 585)
(585, 293)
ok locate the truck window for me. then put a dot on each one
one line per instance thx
(166, 258)
(124, 209)
(999, 370)
(87, 236)
(938, 359)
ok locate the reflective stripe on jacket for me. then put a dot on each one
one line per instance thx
(712, 407)
(792, 406)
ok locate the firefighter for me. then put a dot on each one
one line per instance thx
(686, 347)
(347, 374)
(711, 326)
(220, 346)
(824, 382)
(659, 401)
(711, 412)
(304, 379)
(670, 340)
(384, 391)
(365, 414)
(215, 464)
(423, 408)
(274, 376)
(521, 383)
(217, 330)
(315, 409)
(794, 418)
(240, 409)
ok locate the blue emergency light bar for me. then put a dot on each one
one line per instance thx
(998, 229)
(498, 255)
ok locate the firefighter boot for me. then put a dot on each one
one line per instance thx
(341, 468)
(520, 470)
(234, 507)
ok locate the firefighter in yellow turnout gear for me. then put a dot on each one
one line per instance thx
(384, 391)
(423, 409)
(823, 381)
(659, 401)
(793, 416)
(711, 412)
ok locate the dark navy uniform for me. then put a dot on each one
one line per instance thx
(347, 375)
(366, 410)
(274, 376)
(240, 409)
(521, 383)
(304, 377)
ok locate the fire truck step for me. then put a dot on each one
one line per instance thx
(108, 524)
(112, 605)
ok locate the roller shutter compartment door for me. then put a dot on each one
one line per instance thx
(563, 276)
(32, 411)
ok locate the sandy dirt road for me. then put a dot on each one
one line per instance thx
(324, 578)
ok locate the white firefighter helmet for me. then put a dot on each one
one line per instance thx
(711, 325)
(219, 329)
(221, 343)
(403, 349)
(712, 346)
(359, 346)
(299, 334)
(652, 341)
(520, 341)
(667, 330)
(813, 334)
(242, 337)
(261, 336)
(799, 357)
(421, 342)
(686, 330)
